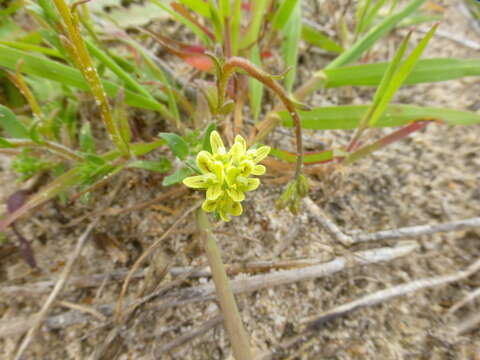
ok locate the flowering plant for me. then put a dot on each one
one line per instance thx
(226, 175)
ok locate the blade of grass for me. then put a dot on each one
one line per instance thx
(282, 15)
(309, 158)
(381, 101)
(255, 87)
(348, 116)
(315, 37)
(31, 47)
(358, 48)
(194, 28)
(292, 33)
(373, 35)
(105, 59)
(370, 16)
(235, 25)
(48, 69)
(425, 70)
(12, 126)
(199, 7)
(258, 15)
(386, 82)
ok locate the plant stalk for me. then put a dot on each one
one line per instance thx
(233, 323)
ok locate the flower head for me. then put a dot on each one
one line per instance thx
(226, 175)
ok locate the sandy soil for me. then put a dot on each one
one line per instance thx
(431, 177)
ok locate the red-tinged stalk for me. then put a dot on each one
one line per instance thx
(266, 79)
(182, 10)
(387, 140)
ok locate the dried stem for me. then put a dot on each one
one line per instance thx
(206, 292)
(188, 336)
(327, 224)
(387, 294)
(415, 231)
(233, 323)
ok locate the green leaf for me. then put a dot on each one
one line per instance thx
(426, 70)
(199, 7)
(282, 15)
(236, 25)
(178, 146)
(177, 176)
(292, 33)
(48, 69)
(315, 37)
(348, 116)
(397, 79)
(206, 137)
(199, 32)
(4, 143)
(255, 87)
(162, 165)
(216, 21)
(322, 156)
(105, 59)
(12, 126)
(375, 33)
(85, 139)
(259, 11)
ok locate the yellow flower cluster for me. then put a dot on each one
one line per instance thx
(225, 175)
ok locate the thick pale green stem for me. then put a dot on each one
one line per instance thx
(233, 323)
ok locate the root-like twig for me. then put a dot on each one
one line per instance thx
(387, 294)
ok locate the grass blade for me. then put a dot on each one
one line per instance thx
(235, 25)
(315, 37)
(383, 98)
(258, 12)
(426, 70)
(195, 29)
(282, 15)
(292, 32)
(373, 35)
(48, 69)
(12, 126)
(255, 87)
(348, 116)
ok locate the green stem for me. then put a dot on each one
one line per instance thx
(233, 323)
(58, 149)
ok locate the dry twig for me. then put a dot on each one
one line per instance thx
(386, 294)
(415, 231)
(188, 336)
(326, 223)
(469, 298)
(207, 292)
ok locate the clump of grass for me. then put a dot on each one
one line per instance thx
(68, 52)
